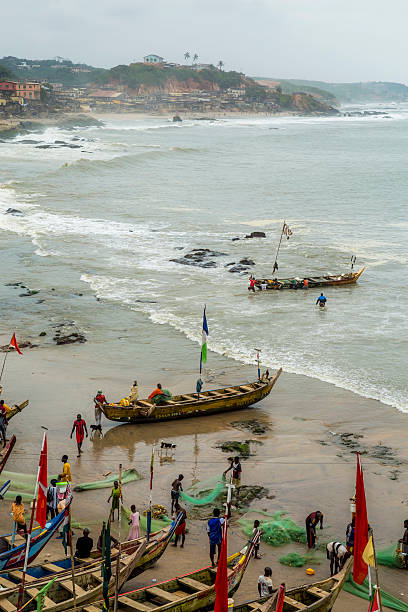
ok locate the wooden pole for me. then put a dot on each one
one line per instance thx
(277, 252)
(377, 580)
(4, 363)
(120, 543)
(72, 557)
(21, 590)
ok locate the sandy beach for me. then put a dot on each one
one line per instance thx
(301, 461)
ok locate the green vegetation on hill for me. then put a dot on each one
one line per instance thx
(5, 73)
(51, 70)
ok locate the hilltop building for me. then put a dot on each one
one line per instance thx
(29, 90)
(153, 59)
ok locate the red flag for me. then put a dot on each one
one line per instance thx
(375, 604)
(13, 343)
(281, 597)
(41, 509)
(221, 580)
(361, 528)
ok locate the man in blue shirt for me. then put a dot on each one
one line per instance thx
(321, 300)
(214, 530)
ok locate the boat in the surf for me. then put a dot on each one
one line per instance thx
(16, 409)
(68, 592)
(186, 593)
(193, 404)
(42, 573)
(317, 596)
(6, 452)
(13, 556)
(330, 280)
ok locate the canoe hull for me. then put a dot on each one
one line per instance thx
(194, 408)
(333, 280)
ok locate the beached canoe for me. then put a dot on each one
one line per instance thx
(6, 452)
(315, 597)
(270, 284)
(188, 405)
(186, 593)
(40, 574)
(60, 595)
(16, 409)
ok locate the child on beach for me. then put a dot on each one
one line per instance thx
(256, 547)
(134, 522)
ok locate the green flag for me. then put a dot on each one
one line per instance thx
(41, 595)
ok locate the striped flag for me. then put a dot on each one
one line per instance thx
(375, 604)
(41, 509)
(287, 231)
(203, 358)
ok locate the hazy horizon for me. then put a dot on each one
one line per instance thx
(342, 42)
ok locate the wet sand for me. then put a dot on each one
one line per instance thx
(301, 462)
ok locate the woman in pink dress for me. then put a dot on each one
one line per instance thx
(134, 522)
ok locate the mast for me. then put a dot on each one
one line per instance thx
(115, 607)
(275, 265)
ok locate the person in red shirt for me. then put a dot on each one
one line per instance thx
(79, 427)
(251, 284)
(99, 400)
(157, 391)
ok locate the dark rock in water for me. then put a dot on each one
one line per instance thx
(72, 146)
(255, 427)
(232, 263)
(18, 284)
(178, 248)
(46, 146)
(177, 119)
(15, 212)
(256, 235)
(208, 264)
(28, 141)
(40, 301)
(42, 334)
(236, 238)
(29, 293)
(59, 142)
(146, 301)
(247, 262)
(75, 138)
(69, 338)
(22, 344)
(238, 268)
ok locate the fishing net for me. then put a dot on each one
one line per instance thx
(11, 495)
(293, 560)
(205, 492)
(156, 525)
(361, 590)
(390, 557)
(277, 531)
(127, 476)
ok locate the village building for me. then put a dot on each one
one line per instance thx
(153, 59)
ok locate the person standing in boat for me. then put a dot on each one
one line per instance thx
(52, 499)
(65, 475)
(311, 523)
(134, 393)
(157, 392)
(321, 300)
(99, 401)
(176, 487)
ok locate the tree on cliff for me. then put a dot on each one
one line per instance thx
(5, 73)
(195, 57)
(220, 64)
(187, 55)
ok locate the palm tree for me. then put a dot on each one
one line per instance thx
(187, 55)
(195, 57)
(220, 64)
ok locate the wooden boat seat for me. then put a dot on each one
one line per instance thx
(246, 388)
(48, 603)
(18, 539)
(144, 403)
(7, 606)
(165, 596)
(190, 398)
(231, 390)
(85, 560)
(97, 575)
(135, 605)
(50, 567)
(298, 605)
(194, 584)
(7, 584)
(215, 393)
(318, 592)
(18, 574)
(91, 609)
(79, 591)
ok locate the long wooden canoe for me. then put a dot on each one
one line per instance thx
(186, 593)
(188, 405)
(314, 281)
(315, 597)
(16, 409)
(40, 574)
(60, 595)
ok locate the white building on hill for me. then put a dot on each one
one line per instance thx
(153, 59)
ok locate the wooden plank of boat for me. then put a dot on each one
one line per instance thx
(162, 595)
(16, 409)
(193, 584)
(297, 605)
(51, 567)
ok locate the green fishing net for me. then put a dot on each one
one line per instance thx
(390, 557)
(293, 560)
(205, 492)
(157, 524)
(361, 590)
(127, 476)
(277, 531)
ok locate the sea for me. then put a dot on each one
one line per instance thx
(101, 212)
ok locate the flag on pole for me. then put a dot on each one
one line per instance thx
(287, 231)
(221, 580)
(41, 594)
(41, 508)
(368, 553)
(13, 343)
(203, 358)
(375, 604)
(281, 598)
(107, 567)
(361, 528)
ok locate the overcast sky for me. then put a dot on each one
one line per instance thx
(332, 40)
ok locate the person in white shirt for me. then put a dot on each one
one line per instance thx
(337, 554)
(265, 584)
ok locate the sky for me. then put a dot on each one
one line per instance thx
(329, 40)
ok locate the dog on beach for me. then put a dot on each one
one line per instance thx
(95, 428)
(166, 445)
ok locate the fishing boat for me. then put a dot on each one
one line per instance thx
(67, 592)
(186, 593)
(39, 575)
(193, 404)
(13, 558)
(315, 597)
(5, 453)
(330, 280)
(16, 409)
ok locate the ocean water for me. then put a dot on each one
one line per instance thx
(105, 219)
